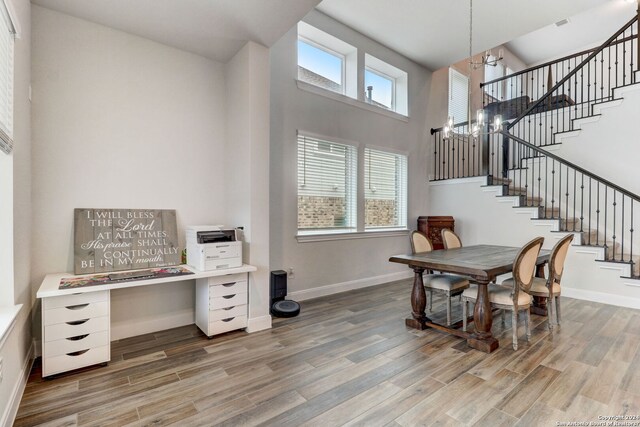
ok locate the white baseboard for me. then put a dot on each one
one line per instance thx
(348, 286)
(258, 323)
(16, 395)
(612, 299)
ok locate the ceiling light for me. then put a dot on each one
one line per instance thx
(479, 127)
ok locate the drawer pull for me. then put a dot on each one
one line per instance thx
(77, 307)
(228, 319)
(229, 308)
(226, 285)
(77, 322)
(229, 296)
(77, 353)
(77, 338)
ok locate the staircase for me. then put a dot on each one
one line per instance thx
(520, 164)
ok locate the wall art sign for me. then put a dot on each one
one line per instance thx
(124, 239)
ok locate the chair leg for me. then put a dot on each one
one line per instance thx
(430, 300)
(504, 320)
(464, 315)
(557, 298)
(550, 312)
(514, 326)
(527, 321)
(448, 310)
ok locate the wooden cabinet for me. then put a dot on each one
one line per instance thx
(221, 303)
(432, 226)
(75, 331)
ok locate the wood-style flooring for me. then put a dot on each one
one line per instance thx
(348, 359)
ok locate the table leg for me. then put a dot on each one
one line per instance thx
(539, 305)
(482, 339)
(418, 301)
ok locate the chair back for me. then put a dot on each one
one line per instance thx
(450, 239)
(524, 266)
(420, 242)
(557, 258)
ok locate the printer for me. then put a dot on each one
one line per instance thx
(213, 247)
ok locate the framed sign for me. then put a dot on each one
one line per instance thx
(124, 239)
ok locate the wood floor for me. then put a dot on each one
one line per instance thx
(349, 359)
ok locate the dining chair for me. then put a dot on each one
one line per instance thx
(447, 284)
(450, 240)
(510, 297)
(550, 287)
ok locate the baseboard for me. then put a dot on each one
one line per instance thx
(12, 408)
(258, 323)
(612, 299)
(336, 288)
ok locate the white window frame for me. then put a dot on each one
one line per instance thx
(6, 129)
(401, 201)
(457, 120)
(342, 57)
(387, 77)
(360, 231)
(351, 175)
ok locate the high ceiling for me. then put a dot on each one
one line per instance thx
(215, 29)
(434, 33)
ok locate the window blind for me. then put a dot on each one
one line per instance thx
(458, 96)
(385, 189)
(6, 80)
(327, 174)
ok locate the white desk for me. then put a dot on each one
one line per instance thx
(76, 321)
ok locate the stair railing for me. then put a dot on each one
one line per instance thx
(538, 108)
(561, 190)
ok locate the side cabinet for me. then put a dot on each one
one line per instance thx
(222, 303)
(75, 331)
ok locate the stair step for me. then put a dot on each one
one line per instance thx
(497, 180)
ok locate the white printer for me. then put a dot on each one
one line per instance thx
(213, 247)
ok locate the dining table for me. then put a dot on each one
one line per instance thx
(482, 264)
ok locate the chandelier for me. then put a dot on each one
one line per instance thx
(480, 127)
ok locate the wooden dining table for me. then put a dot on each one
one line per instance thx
(482, 264)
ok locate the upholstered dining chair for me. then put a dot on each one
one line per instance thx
(450, 240)
(513, 298)
(447, 284)
(550, 287)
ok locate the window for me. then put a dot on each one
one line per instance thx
(326, 61)
(328, 182)
(385, 85)
(385, 189)
(379, 89)
(458, 96)
(320, 66)
(7, 33)
(327, 174)
(492, 72)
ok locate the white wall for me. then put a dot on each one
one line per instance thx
(247, 179)
(122, 122)
(345, 263)
(15, 191)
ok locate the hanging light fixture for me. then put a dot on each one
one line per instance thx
(480, 126)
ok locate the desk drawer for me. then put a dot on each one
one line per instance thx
(80, 359)
(228, 288)
(76, 343)
(227, 278)
(225, 313)
(228, 301)
(75, 328)
(74, 299)
(75, 312)
(227, 324)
